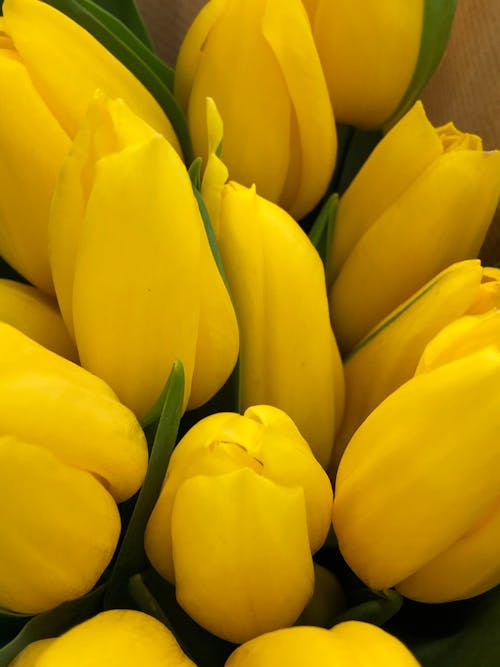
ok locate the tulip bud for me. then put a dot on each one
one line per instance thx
(377, 56)
(50, 68)
(69, 452)
(35, 314)
(416, 495)
(244, 55)
(289, 357)
(423, 200)
(346, 644)
(388, 356)
(134, 274)
(118, 636)
(246, 493)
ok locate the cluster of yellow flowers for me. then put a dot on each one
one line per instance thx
(361, 379)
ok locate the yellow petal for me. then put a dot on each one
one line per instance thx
(239, 71)
(29, 655)
(264, 440)
(489, 296)
(37, 382)
(440, 219)
(67, 64)
(464, 336)
(191, 49)
(216, 172)
(346, 644)
(286, 28)
(288, 355)
(468, 568)
(136, 294)
(116, 638)
(60, 529)
(108, 127)
(421, 471)
(241, 554)
(97, 435)
(35, 314)
(368, 61)
(33, 147)
(404, 153)
(389, 355)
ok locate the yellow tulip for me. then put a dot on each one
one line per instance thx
(245, 57)
(369, 51)
(35, 314)
(134, 273)
(423, 200)
(346, 644)
(50, 68)
(289, 357)
(243, 506)
(416, 497)
(69, 452)
(115, 638)
(389, 355)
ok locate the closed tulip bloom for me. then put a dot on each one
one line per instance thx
(388, 356)
(416, 504)
(249, 494)
(49, 70)
(243, 55)
(115, 638)
(423, 200)
(37, 315)
(289, 356)
(346, 644)
(370, 50)
(70, 451)
(134, 274)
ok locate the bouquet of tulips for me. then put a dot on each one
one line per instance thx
(249, 360)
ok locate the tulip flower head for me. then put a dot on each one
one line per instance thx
(244, 55)
(369, 51)
(289, 357)
(346, 644)
(69, 452)
(135, 277)
(423, 200)
(388, 356)
(114, 638)
(243, 506)
(50, 68)
(416, 496)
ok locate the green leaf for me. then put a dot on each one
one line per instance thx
(156, 76)
(437, 22)
(53, 623)
(195, 173)
(157, 597)
(126, 11)
(475, 639)
(361, 144)
(321, 231)
(210, 235)
(377, 609)
(131, 556)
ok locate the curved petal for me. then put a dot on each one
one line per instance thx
(421, 470)
(60, 529)
(67, 64)
(256, 572)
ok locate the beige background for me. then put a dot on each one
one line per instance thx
(465, 88)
